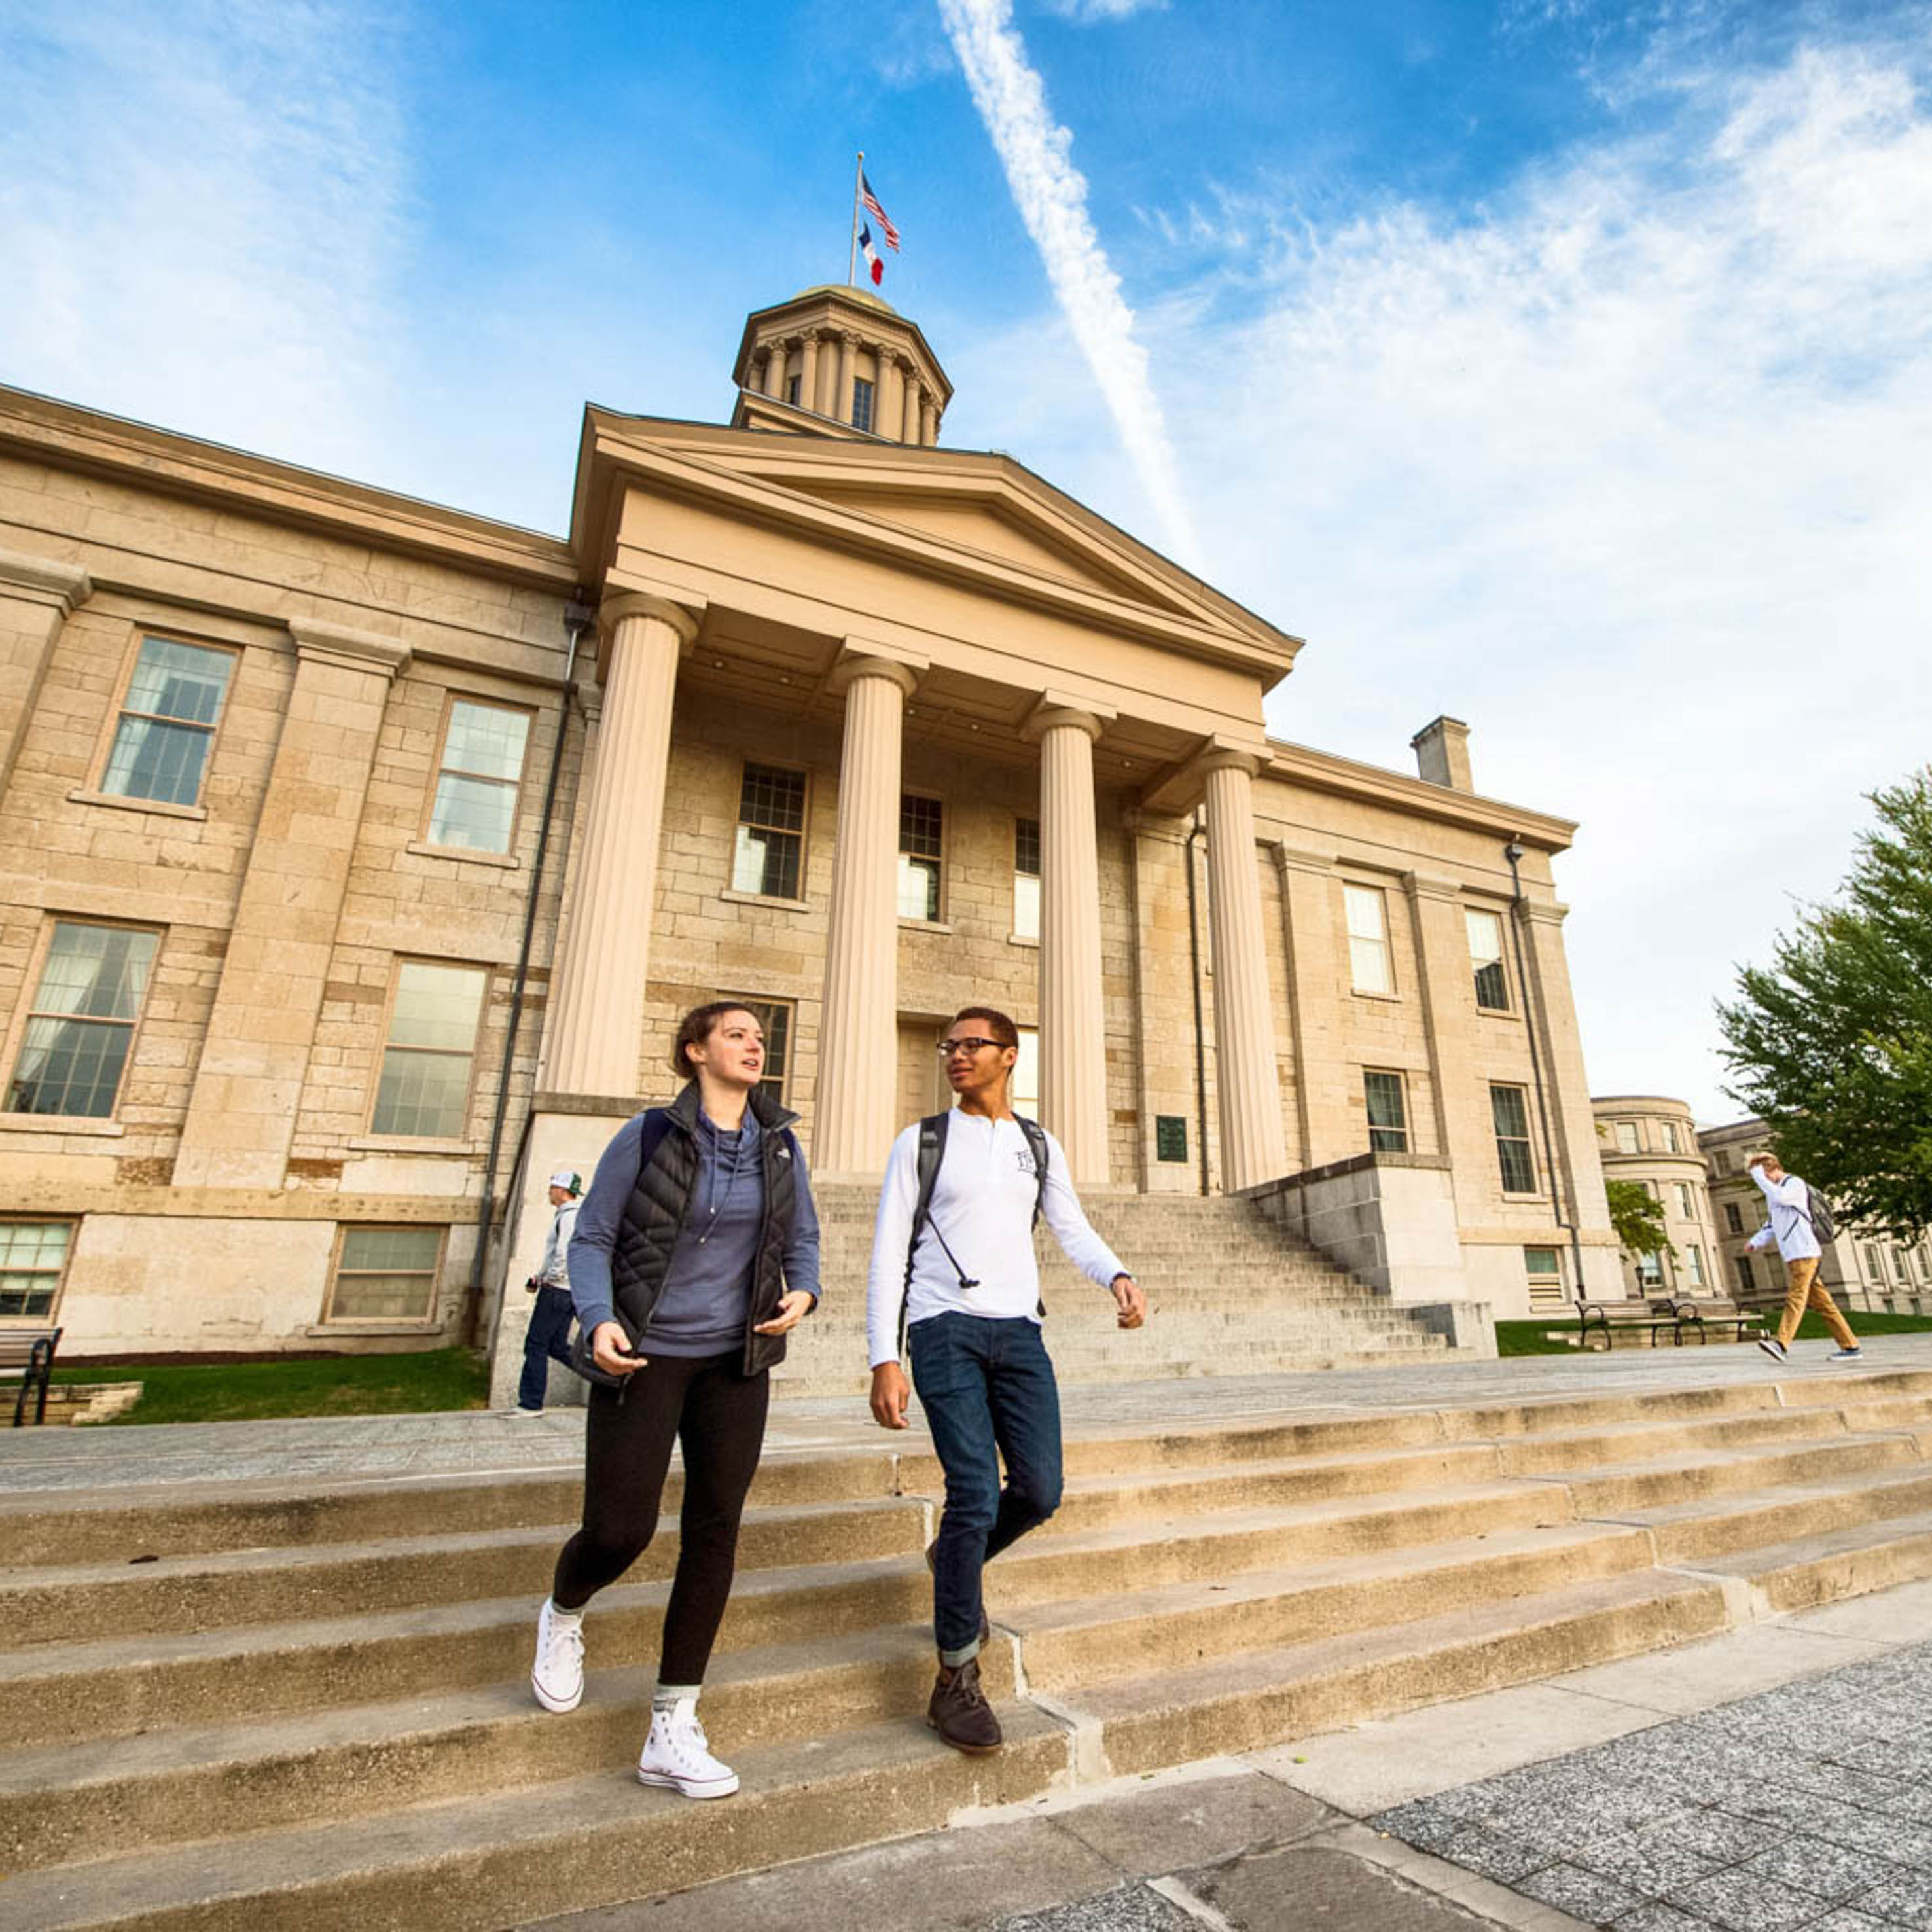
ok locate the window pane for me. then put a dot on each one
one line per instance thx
(1693, 1264)
(920, 827)
(1734, 1218)
(1650, 1271)
(390, 1249)
(1368, 966)
(775, 1019)
(1511, 1113)
(1541, 1263)
(70, 1067)
(861, 403)
(767, 863)
(180, 681)
(1024, 1091)
(1486, 957)
(1368, 947)
(918, 888)
(772, 797)
(35, 1244)
(97, 972)
(1627, 1137)
(1026, 846)
(31, 1296)
(421, 1093)
(385, 1273)
(478, 815)
(1747, 1280)
(436, 1006)
(486, 741)
(155, 761)
(1026, 906)
(1670, 1136)
(1365, 912)
(1388, 1116)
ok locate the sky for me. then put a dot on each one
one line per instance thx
(1564, 367)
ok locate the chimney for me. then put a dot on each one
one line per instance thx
(1441, 749)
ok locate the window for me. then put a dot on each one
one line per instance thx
(1746, 1276)
(792, 385)
(32, 1255)
(1509, 1108)
(1486, 958)
(1734, 1218)
(1670, 1137)
(1693, 1265)
(1874, 1267)
(1024, 1091)
(423, 1091)
(1650, 1271)
(1916, 1257)
(1368, 939)
(167, 722)
(1388, 1113)
(774, 1016)
(862, 402)
(1685, 1211)
(921, 845)
(1544, 1267)
(385, 1274)
(770, 857)
(1627, 1137)
(1722, 1159)
(1026, 878)
(475, 808)
(81, 1024)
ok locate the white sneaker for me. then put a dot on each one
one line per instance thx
(557, 1675)
(1851, 1354)
(524, 1415)
(1772, 1347)
(676, 1755)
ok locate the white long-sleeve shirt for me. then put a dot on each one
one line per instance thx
(983, 1202)
(1789, 1203)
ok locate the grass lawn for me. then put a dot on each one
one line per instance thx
(1527, 1338)
(443, 1378)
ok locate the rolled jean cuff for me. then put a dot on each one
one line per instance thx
(953, 1659)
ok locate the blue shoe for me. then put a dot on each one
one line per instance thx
(1846, 1355)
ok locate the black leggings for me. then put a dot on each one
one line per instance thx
(716, 1414)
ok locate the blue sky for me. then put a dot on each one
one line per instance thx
(1566, 367)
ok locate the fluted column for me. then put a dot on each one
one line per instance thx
(842, 396)
(1252, 1150)
(929, 420)
(808, 386)
(890, 409)
(909, 418)
(858, 1039)
(1072, 1010)
(597, 1027)
(775, 372)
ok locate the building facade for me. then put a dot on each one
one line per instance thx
(1652, 1140)
(361, 855)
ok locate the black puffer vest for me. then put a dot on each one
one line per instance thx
(656, 1212)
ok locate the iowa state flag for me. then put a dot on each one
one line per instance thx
(874, 267)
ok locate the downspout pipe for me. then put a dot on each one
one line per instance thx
(578, 619)
(1519, 911)
(1198, 830)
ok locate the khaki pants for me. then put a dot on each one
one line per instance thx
(1803, 1291)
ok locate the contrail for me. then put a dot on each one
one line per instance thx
(1051, 193)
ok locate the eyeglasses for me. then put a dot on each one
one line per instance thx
(948, 1047)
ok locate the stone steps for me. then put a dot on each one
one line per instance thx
(313, 1703)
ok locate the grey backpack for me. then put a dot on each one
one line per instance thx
(1818, 1211)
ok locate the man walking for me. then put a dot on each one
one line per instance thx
(547, 1338)
(1788, 1201)
(953, 1273)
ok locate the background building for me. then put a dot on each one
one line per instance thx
(1652, 1140)
(360, 855)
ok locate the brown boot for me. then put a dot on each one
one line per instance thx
(959, 1711)
(932, 1564)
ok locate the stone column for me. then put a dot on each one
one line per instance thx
(1072, 1010)
(248, 1081)
(774, 371)
(929, 420)
(37, 597)
(889, 407)
(858, 1039)
(841, 397)
(1318, 982)
(1466, 1131)
(596, 1033)
(1251, 1146)
(807, 384)
(909, 413)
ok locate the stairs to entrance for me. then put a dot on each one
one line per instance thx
(307, 1705)
(1229, 1292)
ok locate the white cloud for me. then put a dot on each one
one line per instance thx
(1051, 195)
(1631, 473)
(1089, 13)
(203, 212)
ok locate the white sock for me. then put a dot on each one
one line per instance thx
(559, 1614)
(666, 1697)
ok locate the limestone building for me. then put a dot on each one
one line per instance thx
(1652, 1140)
(359, 855)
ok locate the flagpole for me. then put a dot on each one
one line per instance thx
(852, 263)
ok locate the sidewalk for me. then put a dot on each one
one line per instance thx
(370, 1446)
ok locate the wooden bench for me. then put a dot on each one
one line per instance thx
(1658, 1312)
(28, 1353)
(1700, 1318)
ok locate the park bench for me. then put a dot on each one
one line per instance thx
(1658, 1312)
(1700, 1318)
(28, 1353)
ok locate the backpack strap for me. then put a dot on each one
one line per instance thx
(931, 1151)
(1036, 1139)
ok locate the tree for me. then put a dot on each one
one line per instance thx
(1831, 1043)
(1636, 1217)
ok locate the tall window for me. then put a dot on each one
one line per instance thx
(862, 402)
(424, 1088)
(1723, 1161)
(1509, 1108)
(1874, 1267)
(167, 722)
(1368, 939)
(922, 849)
(1734, 1219)
(769, 856)
(1650, 1271)
(1685, 1211)
(1627, 1137)
(792, 385)
(1026, 878)
(1545, 1270)
(1486, 958)
(774, 1016)
(1747, 1278)
(385, 1274)
(32, 1254)
(477, 776)
(81, 1021)
(1670, 1136)
(1388, 1113)
(1693, 1265)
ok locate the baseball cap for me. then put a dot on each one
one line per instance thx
(567, 1179)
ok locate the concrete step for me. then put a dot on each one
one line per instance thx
(1688, 1533)
(1613, 1491)
(1850, 1561)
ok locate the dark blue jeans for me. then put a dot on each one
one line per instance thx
(988, 1391)
(547, 1338)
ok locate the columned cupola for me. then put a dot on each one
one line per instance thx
(839, 361)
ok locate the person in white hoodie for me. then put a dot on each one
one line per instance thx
(1788, 1204)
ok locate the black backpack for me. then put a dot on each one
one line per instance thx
(1818, 1211)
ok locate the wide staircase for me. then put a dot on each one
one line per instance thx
(1229, 1293)
(308, 1707)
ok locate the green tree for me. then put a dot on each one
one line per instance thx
(1636, 1217)
(1831, 1043)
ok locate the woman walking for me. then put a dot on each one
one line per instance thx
(696, 1250)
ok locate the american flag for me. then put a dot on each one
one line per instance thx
(873, 208)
